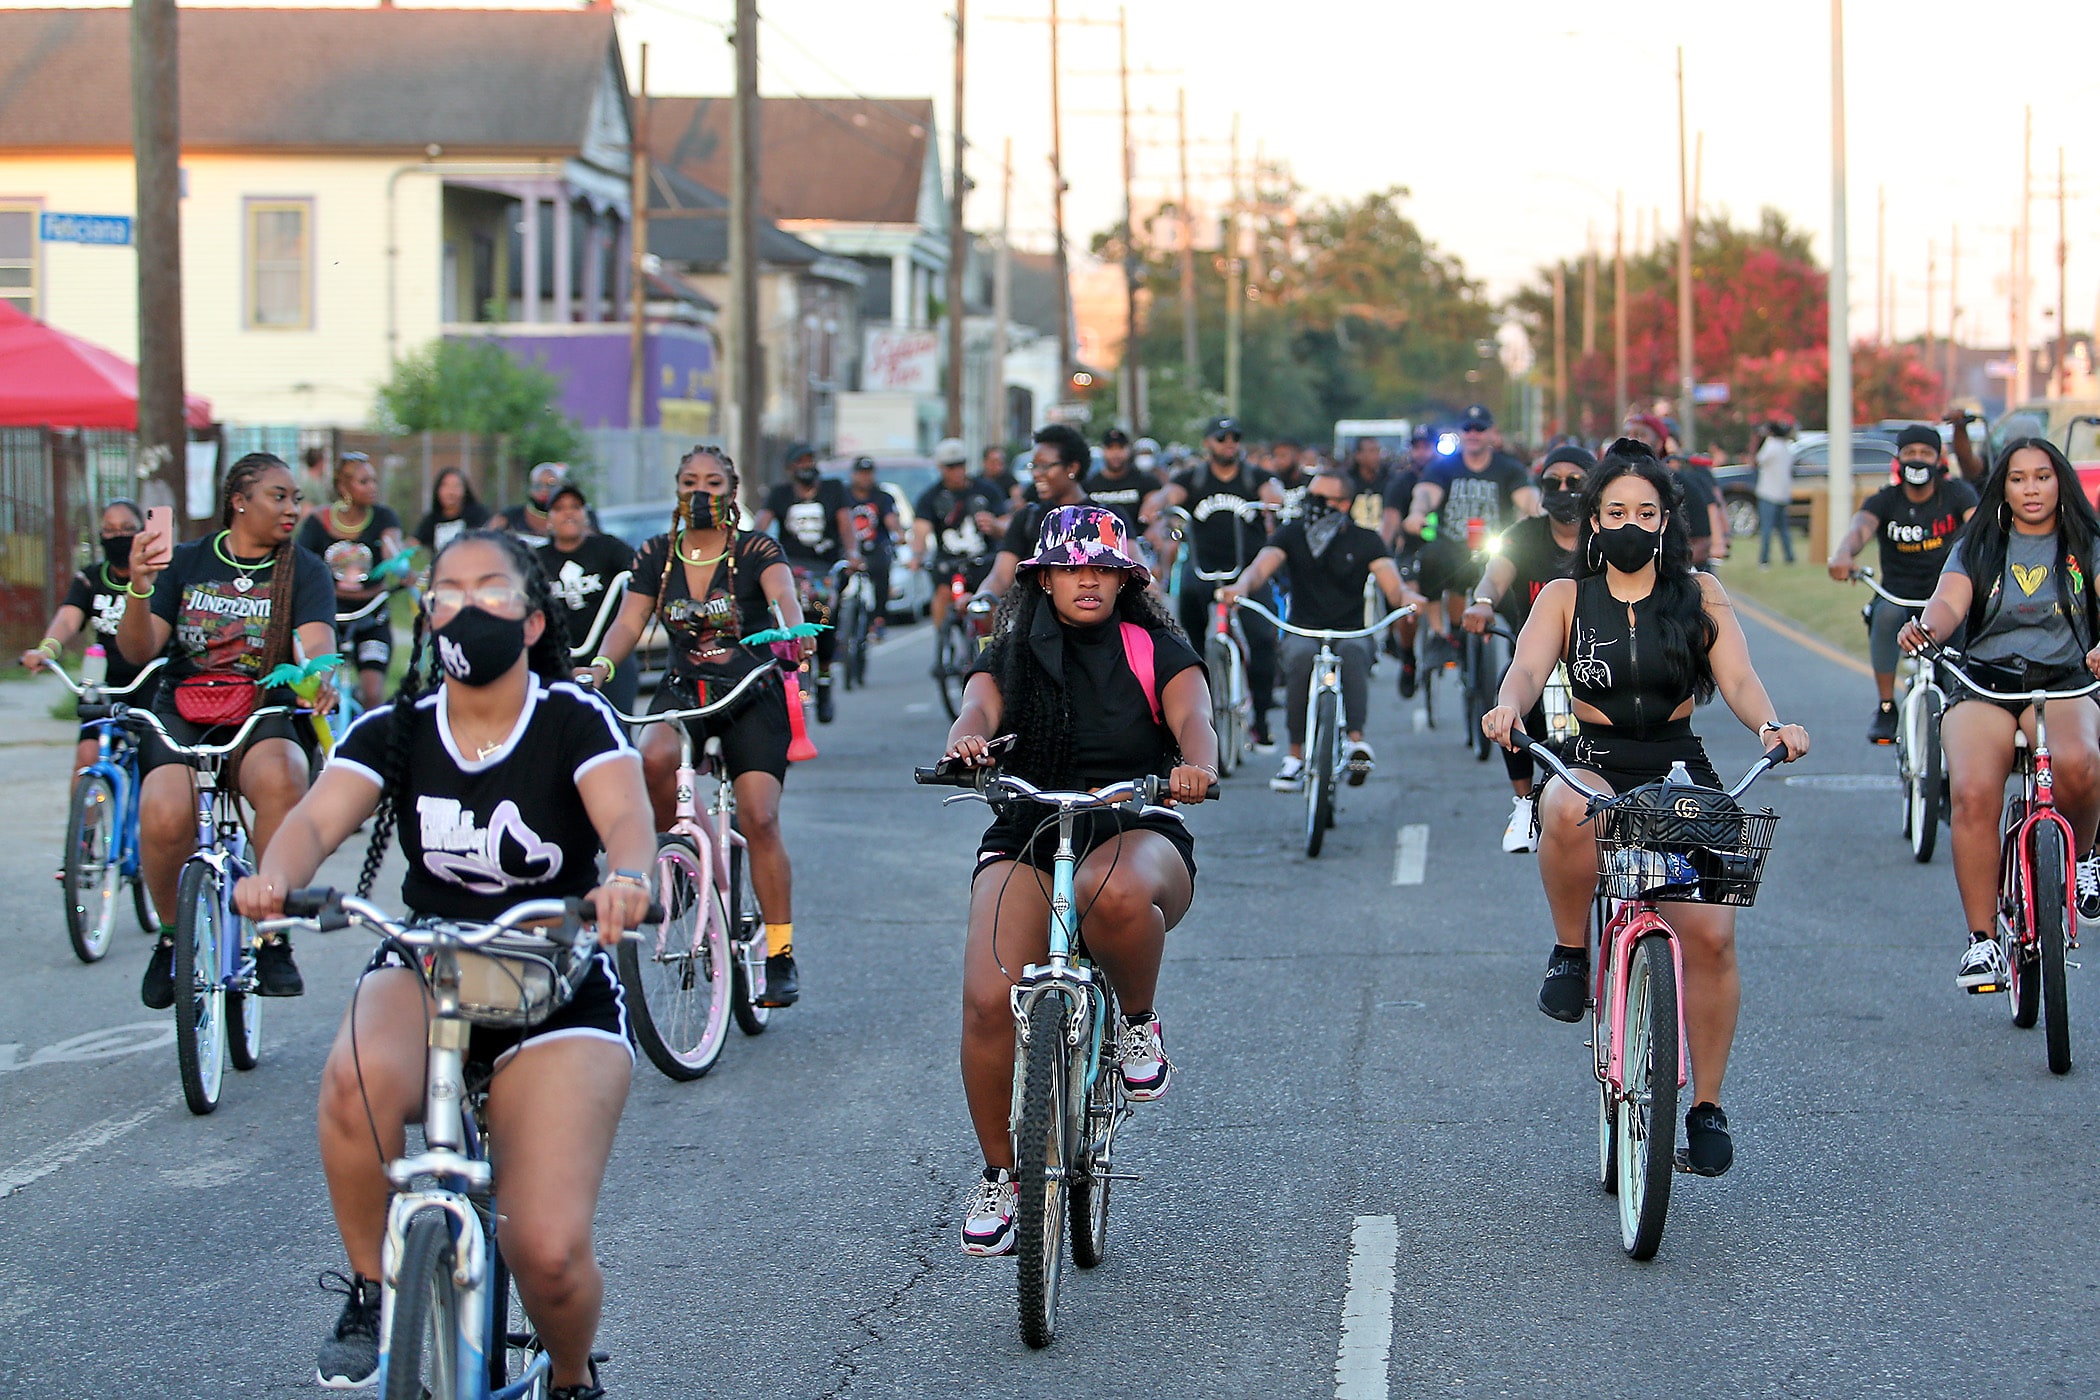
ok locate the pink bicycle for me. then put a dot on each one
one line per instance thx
(706, 962)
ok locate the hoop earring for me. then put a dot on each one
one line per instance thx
(1593, 556)
(2005, 516)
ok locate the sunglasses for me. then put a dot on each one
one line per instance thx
(1226, 437)
(1474, 428)
(1572, 484)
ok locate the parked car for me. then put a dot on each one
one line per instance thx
(1873, 456)
(906, 479)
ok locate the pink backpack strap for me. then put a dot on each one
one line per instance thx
(1137, 650)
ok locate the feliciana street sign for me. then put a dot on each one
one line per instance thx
(108, 230)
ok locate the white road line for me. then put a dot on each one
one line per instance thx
(903, 637)
(1367, 1311)
(1411, 854)
(60, 1154)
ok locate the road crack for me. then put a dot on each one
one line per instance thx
(874, 1322)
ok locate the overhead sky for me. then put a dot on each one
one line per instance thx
(1512, 122)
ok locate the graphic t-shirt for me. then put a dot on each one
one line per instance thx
(706, 632)
(2022, 616)
(1368, 509)
(867, 517)
(433, 531)
(579, 578)
(1915, 535)
(221, 615)
(485, 833)
(1488, 495)
(1537, 559)
(953, 515)
(1222, 540)
(1121, 494)
(102, 600)
(809, 530)
(349, 560)
(1327, 589)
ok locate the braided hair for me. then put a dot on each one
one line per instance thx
(681, 521)
(1038, 708)
(241, 478)
(548, 659)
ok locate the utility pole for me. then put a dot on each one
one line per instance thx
(638, 253)
(958, 247)
(2023, 275)
(1133, 354)
(1881, 250)
(1838, 500)
(1687, 380)
(1002, 301)
(1953, 306)
(1932, 299)
(1618, 314)
(1057, 212)
(2061, 375)
(163, 426)
(1235, 288)
(1189, 361)
(1560, 348)
(743, 249)
(1589, 292)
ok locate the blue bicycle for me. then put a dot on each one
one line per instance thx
(102, 827)
(215, 986)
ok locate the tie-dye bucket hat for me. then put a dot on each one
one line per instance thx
(1078, 536)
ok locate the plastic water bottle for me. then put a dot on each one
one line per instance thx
(1680, 776)
(94, 666)
(1476, 532)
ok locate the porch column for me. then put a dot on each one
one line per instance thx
(564, 260)
(594, 267)
(902, 284)
(529, 285)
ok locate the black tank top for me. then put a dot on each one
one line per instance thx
(1616, 665)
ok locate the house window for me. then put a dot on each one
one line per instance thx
(18, 279)
(280, 264)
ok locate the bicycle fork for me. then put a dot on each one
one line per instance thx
(750, 953)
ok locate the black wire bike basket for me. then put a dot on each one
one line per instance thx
(1668, 841)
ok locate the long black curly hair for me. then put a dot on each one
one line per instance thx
(548, 659)
(1037, 708)
(1985, 539)
(1688, 634)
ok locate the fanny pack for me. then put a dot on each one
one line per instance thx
(215, 698)
(2018, 674)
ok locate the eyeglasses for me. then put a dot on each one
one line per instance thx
(444, 602)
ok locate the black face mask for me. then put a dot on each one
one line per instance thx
(806, 476)
(1318, 507)
(1919, 473)
(1565, 507)
(117, 550)
(478, 647)
(1629, 548)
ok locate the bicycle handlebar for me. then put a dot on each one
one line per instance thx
(1772, 759)
(712, 707)
(79, 688)
(615, 592)
(327, 910)
(1945, 657)
(370, 606)
(133, 715)
(989, 783)
(1329, 636)
(1866, 576)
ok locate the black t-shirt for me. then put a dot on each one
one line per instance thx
(101, 600)
(1700, 492)
(1914, 535)
(1538, 560)
(1488, 495)
(1121, 494)
(1113, 735)
(1024, 532)
(348, 560)
(706, 633)
(433, 531)
(1002, 484)
(1400, 484)
(1327, 589)
(483, 834)
(1222, 540)
(219, 625)
(578, 579)
(809, 530)
(953, 515)
(1368, 509)
(868, 517)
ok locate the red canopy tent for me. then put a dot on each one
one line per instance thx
(51, 379)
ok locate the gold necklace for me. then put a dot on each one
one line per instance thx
(335, 520)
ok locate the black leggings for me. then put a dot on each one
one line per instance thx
(1196, 595)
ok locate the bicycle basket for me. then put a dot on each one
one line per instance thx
(511, 986)
(1673, 842)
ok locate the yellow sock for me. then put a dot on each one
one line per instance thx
(780, 939)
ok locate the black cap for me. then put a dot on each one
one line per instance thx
(1115, 437)
(1221, 425)
(863, 464)
(796, 452)
(569, 488)
(1918, 435)
(1476, 416)
(1570, 452)
(1421, 434)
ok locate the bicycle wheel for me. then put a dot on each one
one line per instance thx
(422, 1346)
(513, 1351)
(748, 929)
(2023, 989)
(1922, 781)
(951, 657)
(853, 638)
(1480, 698)
(2050, 920)
(1089, 1195)
(89, 874)
(1648, 1108)
(200, 997)
(142, 904)
(1040, 1161)
(1224, 714)
(1319, 775)
(677, 978)
(244, 1017)
(1607, 1141)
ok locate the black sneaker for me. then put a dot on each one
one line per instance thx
(825, 710)
(158, 988)
(1707, 1150)
(782, 986)
(1883, 729)
(1566, 993)
(276, 975)
(349, 1358)
(590, 1391)
(1407, 674)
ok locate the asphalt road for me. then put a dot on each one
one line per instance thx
(1910, 1214)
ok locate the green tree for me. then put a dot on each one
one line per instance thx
(475, 386)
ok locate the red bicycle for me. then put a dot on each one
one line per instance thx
(2037, 887)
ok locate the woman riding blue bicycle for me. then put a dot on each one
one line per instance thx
(1097, 685)
(2035, 626)
(503, 784)
(1644, 637)
(94, 604)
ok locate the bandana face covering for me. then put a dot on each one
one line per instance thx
(1323, 523)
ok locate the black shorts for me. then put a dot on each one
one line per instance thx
(1626, 762)
(153, 753)
(597, 1011)
(974, 572)
(1447, 566)
(1009, 837)
(368, 642)
(2014, 675)
(755, 735)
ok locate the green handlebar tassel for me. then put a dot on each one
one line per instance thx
(396, 567)
(296, 674)
(785, 634)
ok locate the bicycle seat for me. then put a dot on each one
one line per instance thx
(2019, 740)
(713, 747)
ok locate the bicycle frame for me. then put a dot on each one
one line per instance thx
(116, 761)
(608, 609)
(1327, 662)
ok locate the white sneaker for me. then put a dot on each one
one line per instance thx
(1357, 756)
(1290, 777)
(988, 1224)
(1517, 837)
(1982, 967)
(2089, 885)
(1146, 1069)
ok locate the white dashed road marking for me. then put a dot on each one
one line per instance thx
(1411, 854)
(1367, 1311)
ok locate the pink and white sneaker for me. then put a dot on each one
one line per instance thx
(1145, 1067)
(988, 1224)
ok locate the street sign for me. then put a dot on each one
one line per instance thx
(1710, 393)
(1070, 413)
(107, 230)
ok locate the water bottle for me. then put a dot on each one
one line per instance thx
(1680, 776)
(1476, 532)
(94, 666)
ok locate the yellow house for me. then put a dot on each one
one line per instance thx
(355, 183)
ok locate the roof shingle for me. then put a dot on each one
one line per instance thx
(853, 160)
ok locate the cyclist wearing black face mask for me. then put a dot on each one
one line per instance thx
(1534, 551)
(93, 606)
(816, 532)
(1916, 521)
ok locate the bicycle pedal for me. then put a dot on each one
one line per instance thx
(1117, 1176)
(1983, 989)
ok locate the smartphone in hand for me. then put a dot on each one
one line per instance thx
(155, 543)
